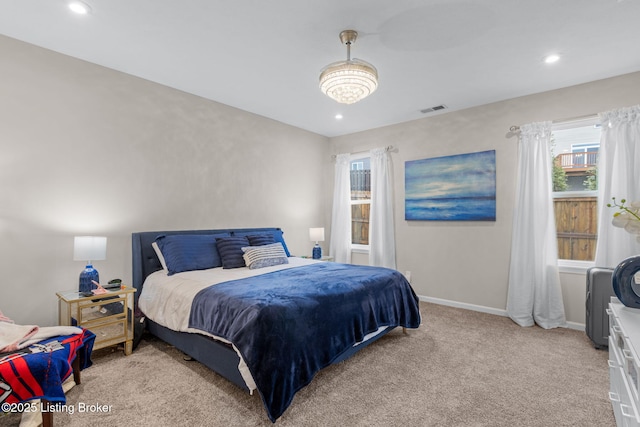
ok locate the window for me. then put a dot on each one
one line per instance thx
(357, 165)
(584, 155)
(360, 177)
(574, 156)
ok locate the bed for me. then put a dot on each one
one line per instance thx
(271, 323)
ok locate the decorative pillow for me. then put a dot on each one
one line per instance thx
(260, 239)
(230, 249)
(275, 234)
(158, 252)
(186, 252)
(264, 256)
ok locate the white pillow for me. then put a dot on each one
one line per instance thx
(156, 248)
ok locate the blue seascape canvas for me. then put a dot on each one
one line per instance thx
(451, 188)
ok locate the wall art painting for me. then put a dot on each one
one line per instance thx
(451, 188)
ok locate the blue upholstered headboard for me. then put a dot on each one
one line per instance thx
(144, 257)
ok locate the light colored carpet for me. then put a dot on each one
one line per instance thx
(461, 368)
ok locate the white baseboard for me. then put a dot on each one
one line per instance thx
(483, 309)
(576, 326)
(464, 305)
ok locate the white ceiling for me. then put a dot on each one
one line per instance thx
(265, 56)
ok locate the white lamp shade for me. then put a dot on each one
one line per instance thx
(89, 248)
(316, 234)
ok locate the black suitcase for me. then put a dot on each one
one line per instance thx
(599, 293)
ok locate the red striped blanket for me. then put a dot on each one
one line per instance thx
(37, 372)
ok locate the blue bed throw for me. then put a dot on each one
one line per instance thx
(291, 323)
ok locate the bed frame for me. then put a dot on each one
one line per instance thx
(217, 356)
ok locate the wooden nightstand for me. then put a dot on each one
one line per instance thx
(109, 316)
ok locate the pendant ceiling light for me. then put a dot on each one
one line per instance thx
(351, 80)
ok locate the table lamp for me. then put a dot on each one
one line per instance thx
(316, 235)
(89, 248)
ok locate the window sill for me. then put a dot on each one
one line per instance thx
(360, 249)
(574, 267)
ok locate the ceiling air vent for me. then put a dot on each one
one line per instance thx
(432, 109)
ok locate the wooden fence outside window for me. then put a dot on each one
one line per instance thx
(360, 190)
(577, 227)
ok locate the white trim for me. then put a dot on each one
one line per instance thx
(464, 305)
(576, 326)
(361, 155)
(361, 249)
(575, 193)
(483, 309)
(574, 266)
(591, 120)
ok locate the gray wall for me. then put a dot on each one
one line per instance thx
(90, 151)
(468, 262)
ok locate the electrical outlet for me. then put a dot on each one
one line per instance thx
(407, 275)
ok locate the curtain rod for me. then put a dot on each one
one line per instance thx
(387, 148)
(515, 128)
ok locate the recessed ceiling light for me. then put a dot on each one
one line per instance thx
(550, 59)
(338, 116)
(79, 7)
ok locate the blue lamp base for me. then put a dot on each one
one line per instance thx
(317, 252)
(87, 275)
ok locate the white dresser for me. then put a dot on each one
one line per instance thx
(624, 363)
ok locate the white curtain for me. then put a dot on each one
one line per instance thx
(340, 245)
(382, 244)
(534, 281)
(619, 177)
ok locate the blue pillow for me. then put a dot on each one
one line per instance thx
(261, 239)
(277, 236)
(230, 249)
(186, 252)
